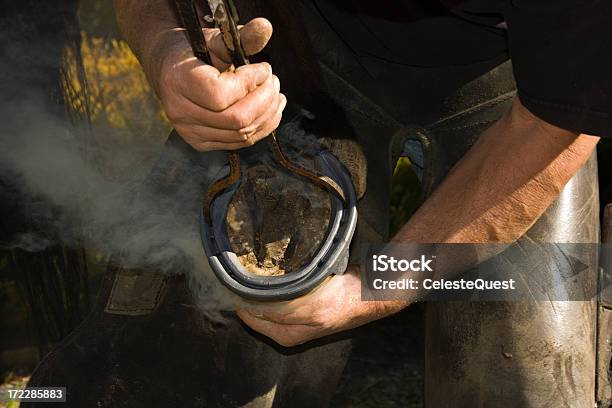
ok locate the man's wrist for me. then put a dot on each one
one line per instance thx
(165, 49)
(371, 310)
(365, 311)
(152, 30)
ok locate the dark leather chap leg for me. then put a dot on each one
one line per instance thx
(521, 354)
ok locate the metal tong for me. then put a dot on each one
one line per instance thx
(225, 18)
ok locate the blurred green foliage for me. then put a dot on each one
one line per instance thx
(13, 382)
(405, 194)
(97, 18)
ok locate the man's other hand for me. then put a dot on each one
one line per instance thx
(333, 307)
(214, 107)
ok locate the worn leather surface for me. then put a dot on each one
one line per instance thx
(177, 356)
(604, 318)
(136, 292)
(521, 354)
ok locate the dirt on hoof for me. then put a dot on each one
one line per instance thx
(276, 221)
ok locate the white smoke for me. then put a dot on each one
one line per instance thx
(74, 202)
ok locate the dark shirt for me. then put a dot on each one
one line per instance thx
(561, 50)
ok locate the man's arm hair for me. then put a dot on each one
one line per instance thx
(494, 194)
(513, 173)
(151, 29)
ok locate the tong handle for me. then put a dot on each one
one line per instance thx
(225, 16)
(188, 14)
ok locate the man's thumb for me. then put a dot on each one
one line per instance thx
(254, 36)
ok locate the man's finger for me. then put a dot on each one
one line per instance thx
(197, 133)
(253, 135)
(269, 123)
(217, 92)
(238, 116)
(271, 316)
(252, 109)
(269, 119)
(285, 335)
(254, 36)
(236, 127)
(211, 146)
(273, 330)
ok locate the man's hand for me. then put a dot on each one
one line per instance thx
(211, 107)
(227, 110)
(333, 307)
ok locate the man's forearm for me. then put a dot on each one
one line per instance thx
(151, 29)
(496, 192)
(503, 185)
